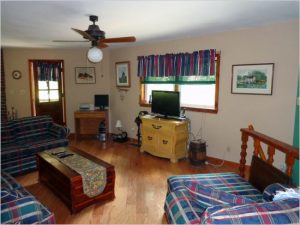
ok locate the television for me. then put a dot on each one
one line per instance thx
(101, 101)
(166, 103)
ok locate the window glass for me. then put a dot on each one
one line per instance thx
(43, 85)
(196, 96)
(54, 96)
(53, 85)
(43, 96)
(160, 87)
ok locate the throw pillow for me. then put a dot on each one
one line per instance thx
(207, 196)
(277, 212)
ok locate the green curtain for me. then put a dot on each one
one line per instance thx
(180, 80)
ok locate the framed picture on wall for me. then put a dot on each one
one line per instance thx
(123, 74)
(256, 79)
(85, 75)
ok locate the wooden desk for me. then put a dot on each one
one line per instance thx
(87, 122)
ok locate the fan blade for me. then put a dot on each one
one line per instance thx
(84, 34)
(102, 45)
(119, 39)
(68, 41)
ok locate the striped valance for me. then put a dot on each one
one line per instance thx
(47, 71)
(198, 63)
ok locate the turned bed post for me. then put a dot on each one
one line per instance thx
(291, 153)
(243, 154)
(271, 153)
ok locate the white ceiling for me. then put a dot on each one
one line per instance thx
(37, 23)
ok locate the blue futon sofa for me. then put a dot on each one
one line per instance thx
(22, 138)
(18, 206)
(226, 198)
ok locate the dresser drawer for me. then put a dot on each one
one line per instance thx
(90, 114)
(149, 139)
(166, 145)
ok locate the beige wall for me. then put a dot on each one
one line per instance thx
(18, 91)
(273, 115)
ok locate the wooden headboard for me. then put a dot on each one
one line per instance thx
(291, 153)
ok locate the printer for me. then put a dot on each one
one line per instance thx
(86, 107)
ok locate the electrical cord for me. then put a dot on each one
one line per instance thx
(190, 130)
(217, 165)
(194, 137)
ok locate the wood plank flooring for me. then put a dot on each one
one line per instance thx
(140, 186)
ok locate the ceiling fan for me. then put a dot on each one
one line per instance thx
(97, 36)
(98, 40)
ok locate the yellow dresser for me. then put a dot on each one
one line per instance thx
(164, 138)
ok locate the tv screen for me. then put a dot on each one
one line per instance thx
(101, 101)
(166, 103)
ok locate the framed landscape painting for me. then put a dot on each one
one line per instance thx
(256, 79)
(85, 75)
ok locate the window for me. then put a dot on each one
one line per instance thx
(193, 97)
(48, 91)
(196, 96)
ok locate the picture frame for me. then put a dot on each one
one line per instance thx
(255, 79)
(85, 75)
(123, 74)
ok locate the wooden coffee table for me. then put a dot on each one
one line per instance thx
(67, 184)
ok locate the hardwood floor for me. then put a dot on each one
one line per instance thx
(140, 186)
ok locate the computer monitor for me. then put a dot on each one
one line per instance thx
(166, 103)
(101, 101)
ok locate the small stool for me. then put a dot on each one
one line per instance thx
(197, 152)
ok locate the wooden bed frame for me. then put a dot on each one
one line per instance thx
(291, 153)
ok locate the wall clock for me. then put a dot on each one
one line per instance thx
(16, 74)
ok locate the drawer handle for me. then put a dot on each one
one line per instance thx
(165, 142)
(156, 126)
(149, 138)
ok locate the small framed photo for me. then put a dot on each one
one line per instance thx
(256, 79)
(85, 75)
(123, 74)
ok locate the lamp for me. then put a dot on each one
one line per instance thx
(122, 135)
(119, 125)
(95, 54)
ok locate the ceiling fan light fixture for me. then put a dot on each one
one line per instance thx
(95, 55)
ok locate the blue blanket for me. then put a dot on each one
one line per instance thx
(224, 198)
